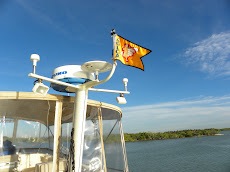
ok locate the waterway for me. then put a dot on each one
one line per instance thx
(196, 154)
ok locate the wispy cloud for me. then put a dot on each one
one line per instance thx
(202, 112)
(211, 55)
(202, 100)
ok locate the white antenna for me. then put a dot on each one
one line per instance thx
(35, 58)
(125, 81)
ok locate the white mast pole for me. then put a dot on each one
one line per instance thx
(79, 114)
(79, 117)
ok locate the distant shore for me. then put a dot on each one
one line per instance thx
(146, 136)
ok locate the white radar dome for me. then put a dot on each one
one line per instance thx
(72, 74)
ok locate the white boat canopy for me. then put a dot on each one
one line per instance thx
(32, 107)
(36, 134)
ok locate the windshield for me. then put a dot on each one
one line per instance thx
(22, 136)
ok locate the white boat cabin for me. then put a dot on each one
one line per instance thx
(36, 134)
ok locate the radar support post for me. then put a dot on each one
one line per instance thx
(79, 116)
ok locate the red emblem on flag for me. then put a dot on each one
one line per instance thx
(128, 51)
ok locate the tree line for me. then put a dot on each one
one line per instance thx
(143, 136)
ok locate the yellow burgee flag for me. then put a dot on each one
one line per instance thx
(129, 53)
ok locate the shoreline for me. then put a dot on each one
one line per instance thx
(149, 136)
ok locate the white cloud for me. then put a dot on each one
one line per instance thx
(205, 112)
(198, 100)
(211, 55)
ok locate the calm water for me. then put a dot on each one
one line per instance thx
(197, 154)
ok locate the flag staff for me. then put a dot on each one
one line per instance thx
(113, 34)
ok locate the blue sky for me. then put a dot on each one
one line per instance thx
(186, 79)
